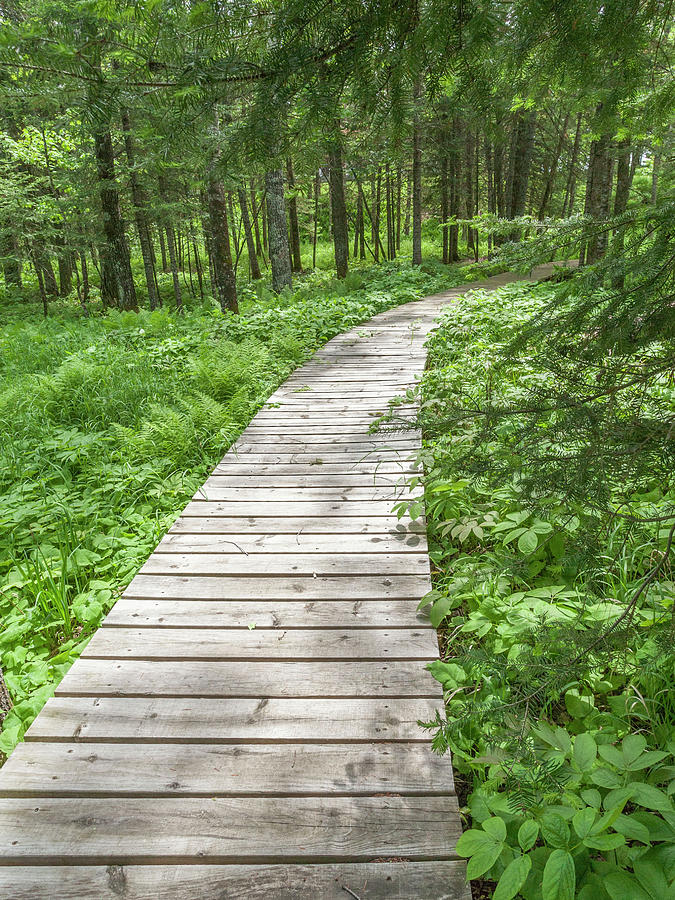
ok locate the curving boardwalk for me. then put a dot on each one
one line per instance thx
(244, 723)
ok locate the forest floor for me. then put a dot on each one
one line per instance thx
(116, 419)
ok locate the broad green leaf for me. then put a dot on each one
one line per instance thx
(472, 841)
(513, 878)
(650, 797)
(604, 841)
(484, 860)
(623, 886)
(495, 827)
(559, 878)
(555, 830)
(585, 751)
(651, 877)
(632, 746)
(528, 542)
(528, 834)
(582, 821)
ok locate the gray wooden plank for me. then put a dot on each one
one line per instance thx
(202, 506)
(211, 491)
(144, 678)
(392, 542)
(400, 880)
(300, 588)
(267, 564)
(266, 613)
(317, 479)
(404, 529)
(236, 466)
(157, 720)
(42, 769)
(226, 829)
(259, 645)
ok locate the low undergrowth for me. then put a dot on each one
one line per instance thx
(555, 610)
(111, 424)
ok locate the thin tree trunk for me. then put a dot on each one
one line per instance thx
(317, 193)
(248, 232)
(552, 170)
(140, 211)
(338, 209)
(254, 216)
(117, 283)
(293, 219)
(280, 256)
(623, 184)
(568, 203)
(398, 209)
(444, 206)
(171, 246)
(224, 281)
(233, 224)
(417, 176)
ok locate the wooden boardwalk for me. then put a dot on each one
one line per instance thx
(244, 723)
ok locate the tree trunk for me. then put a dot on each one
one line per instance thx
(597, 198)
(317, 194)
(338, 209)
(224, 281)
(248, 231)
(11, 264)
(522, 161)
(280, 256)
(445, 206)
(171, 245)
(293, 219)
(552, 170)
(417, 176)
(139, 201)
(398, 209)
(468, 189)
(624, 177)
(375, 217)
(570, 187)
(5, 699)
(117, 283)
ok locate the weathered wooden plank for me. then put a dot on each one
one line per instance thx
(260, 645)
(226, 829)
(309, 434)
(400, 880)
(156, 720)
(266, 613)
(303, 588)
(362, 451)
(392, 542)
(41, 769)
(234, 466)
(142, 678)
(317, 479)
(404, 529)
(267, 564)
(201, 506)
(211, 491)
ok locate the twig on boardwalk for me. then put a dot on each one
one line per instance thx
(350, 891)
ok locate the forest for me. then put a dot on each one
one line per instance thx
(195, 195)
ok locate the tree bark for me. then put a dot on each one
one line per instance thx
(417, 176)
(254, 216)
(445, 206)
(293, 220)
(248, 231)
(171, 245)
(552, 170)
(597, 198)
(224, 281)
(117, 283)
(524, 145)
(570, 187)
(338, 208)
(140, 203)
(280, 256)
